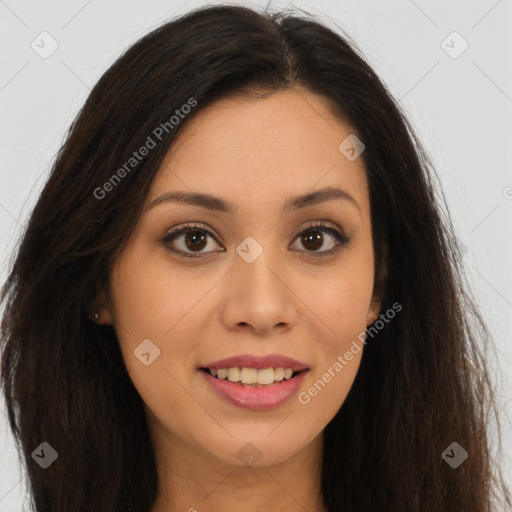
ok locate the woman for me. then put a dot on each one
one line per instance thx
(240, 205)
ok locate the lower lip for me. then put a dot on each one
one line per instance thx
(255, 398)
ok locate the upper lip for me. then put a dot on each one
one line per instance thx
(258, 362)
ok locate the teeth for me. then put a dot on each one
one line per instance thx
(265, 376)
(234, 374)
(253, 375)
(249, 375)
(288, 373)
(278, 374)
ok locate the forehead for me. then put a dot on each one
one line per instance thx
(283, 145)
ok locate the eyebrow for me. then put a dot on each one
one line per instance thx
(211, 202)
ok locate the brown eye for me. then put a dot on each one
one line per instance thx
(313, 238)
(195, 240)
(190, 239)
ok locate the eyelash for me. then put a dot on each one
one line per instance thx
(341, 239)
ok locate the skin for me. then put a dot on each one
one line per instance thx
(256, 155)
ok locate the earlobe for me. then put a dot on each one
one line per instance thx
(374, 311)
(103, 316)
(379, 285)
(100, 312)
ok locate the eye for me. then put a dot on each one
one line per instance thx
(312, 238)
(194, 238)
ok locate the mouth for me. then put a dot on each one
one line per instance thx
(257, 382)
(247, 388)
(254, 377)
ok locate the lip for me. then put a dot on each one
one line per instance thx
(258, 362)
(255, 398)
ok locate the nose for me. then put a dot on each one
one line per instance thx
(258, 297)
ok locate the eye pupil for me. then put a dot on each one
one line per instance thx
(195, 240)
(313, 237)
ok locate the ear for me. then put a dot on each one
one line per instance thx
(374, 310)
(100, 306)
(379, 286)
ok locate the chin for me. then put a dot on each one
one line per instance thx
(251, 450)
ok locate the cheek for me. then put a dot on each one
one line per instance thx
(165, 308)
(345, 298)
(326, 390)
(343, 307)
(150, 299)
(145, 324)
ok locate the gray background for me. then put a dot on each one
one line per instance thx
(461, 108)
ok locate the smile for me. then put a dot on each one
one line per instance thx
(254, 395)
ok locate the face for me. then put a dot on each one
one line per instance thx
(267, 274)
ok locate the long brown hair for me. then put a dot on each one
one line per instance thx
(423, 382)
